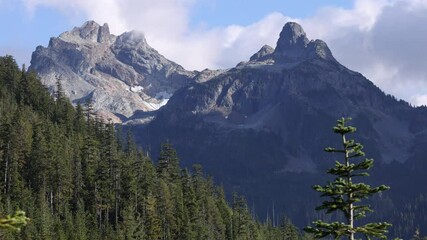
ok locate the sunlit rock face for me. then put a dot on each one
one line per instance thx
(119, 74)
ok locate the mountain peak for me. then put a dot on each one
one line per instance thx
(90, 31)
(132, 39)
(292, 36)
(293, 45)
(264, 52)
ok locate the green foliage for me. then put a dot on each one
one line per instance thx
(168, 164)
(344, 195)
(288, 230)
(14, 222)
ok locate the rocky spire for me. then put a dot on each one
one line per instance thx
(292, 39)
(90, 31)
(104, 33)
(293, 45)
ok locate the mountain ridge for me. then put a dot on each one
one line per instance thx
(260, 127)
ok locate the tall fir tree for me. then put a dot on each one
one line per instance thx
(344, 195)
(168, 164)
(288, 230)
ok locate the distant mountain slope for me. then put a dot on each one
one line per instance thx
(120, 74)
(261, 127)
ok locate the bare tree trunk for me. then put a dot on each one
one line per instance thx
(51, 199)
(6, 172)
(350, 217)
(116, 200)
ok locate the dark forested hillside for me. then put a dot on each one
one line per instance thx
(79, 178)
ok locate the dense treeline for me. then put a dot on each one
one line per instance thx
(77, 177)
(410, 217)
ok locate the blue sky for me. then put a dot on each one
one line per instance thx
(245, 12)
(22, 31)
(382, 39)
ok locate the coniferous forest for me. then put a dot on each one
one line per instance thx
(77, 177)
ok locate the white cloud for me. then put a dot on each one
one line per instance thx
(221, 47)
(242, 42)
(160, 18)
(166, 27)
(419, 99)
(383, 39)
(99, 10)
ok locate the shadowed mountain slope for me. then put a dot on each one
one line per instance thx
(260, 127)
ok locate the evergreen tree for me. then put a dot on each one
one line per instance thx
(288, 230)
(189, 201)
(168, 164)
(80, 230)
(153, 223)
(14, 222)
(241, 217)
(79, 119)
(43, 218)
(417, 235)
(226, 213)
(344, 195)
(131, 228)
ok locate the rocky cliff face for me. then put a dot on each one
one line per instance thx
(119, 74)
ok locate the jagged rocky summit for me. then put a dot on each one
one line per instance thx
(293, 47)
(121, 75)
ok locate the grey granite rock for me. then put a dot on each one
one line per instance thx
(120, 74)
(294, 46)
(263, 53)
